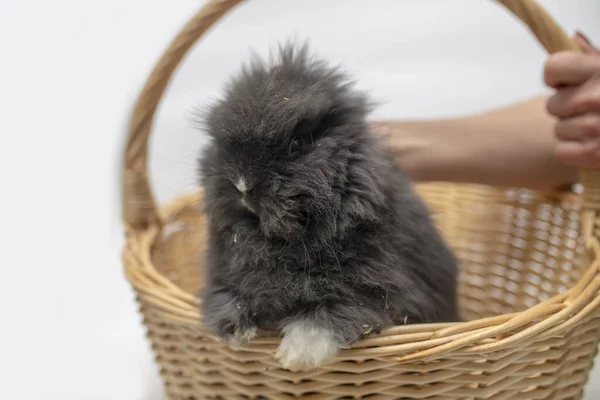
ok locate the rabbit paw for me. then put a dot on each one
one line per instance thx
(241, 337)
(305, 346)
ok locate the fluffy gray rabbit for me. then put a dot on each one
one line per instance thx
(314, 231)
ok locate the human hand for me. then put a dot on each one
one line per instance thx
(576, 104)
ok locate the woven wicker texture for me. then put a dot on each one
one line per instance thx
(529, 285)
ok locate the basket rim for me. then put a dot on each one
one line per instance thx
(545, 320)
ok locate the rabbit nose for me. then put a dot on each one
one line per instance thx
(241, 185)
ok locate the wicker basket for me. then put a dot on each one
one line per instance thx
(529, 285)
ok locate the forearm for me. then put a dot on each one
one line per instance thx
(511, 146)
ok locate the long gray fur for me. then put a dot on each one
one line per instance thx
(324, 229)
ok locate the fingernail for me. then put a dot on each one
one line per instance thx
(585, 44)
(583, 37)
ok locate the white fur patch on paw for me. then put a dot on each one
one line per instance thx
(305, 346)
(241, 337)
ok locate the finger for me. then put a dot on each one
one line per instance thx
(570, 68)
(576, 100)
(584, 43)
(582, 127)
(579, 154)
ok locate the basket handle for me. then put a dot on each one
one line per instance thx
(138, 204)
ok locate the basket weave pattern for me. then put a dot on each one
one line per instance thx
(529, 286)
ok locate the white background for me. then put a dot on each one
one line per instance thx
(69, 72)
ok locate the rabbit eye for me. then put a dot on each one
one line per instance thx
(296, 145)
